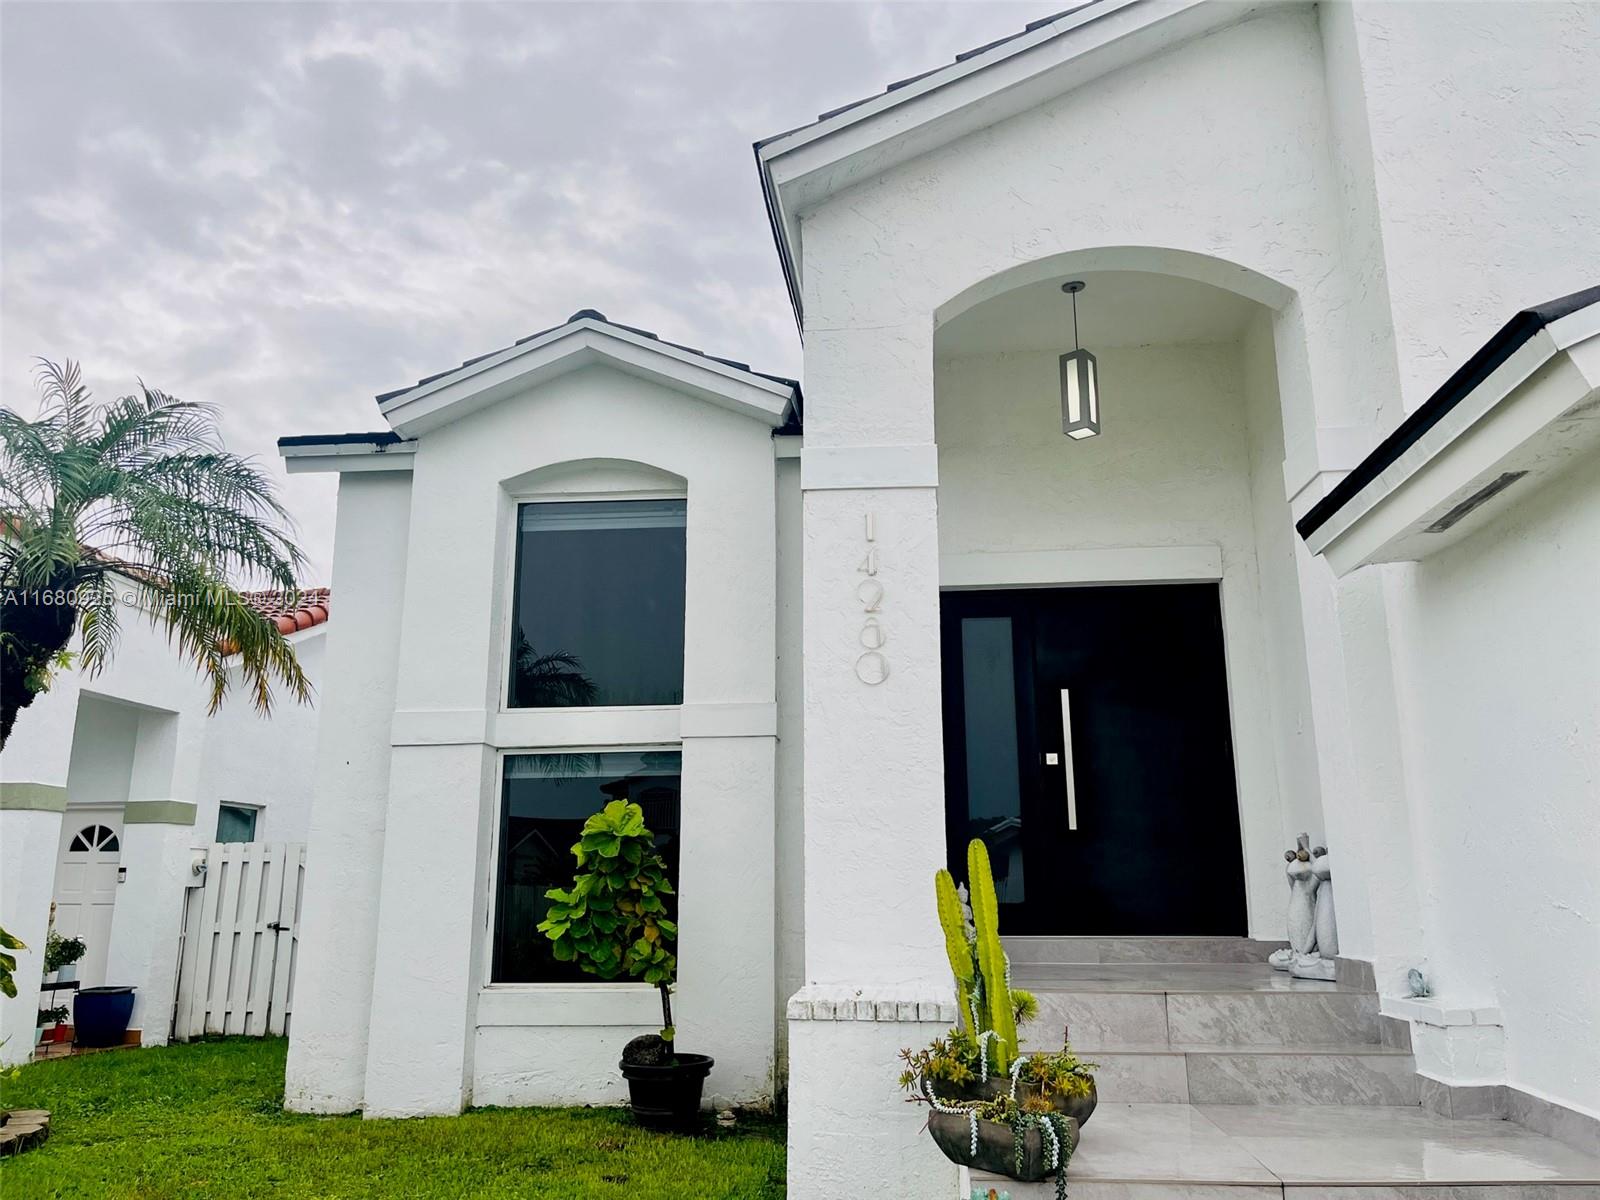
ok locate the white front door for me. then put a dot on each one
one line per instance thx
(86, 885)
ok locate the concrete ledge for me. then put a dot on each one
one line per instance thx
(158, 812)
(561, 1004)
(711, 720)
(32, 797)
(837, 468)
(890, 1004)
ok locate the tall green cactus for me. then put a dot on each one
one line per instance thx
(991, 955)
(957, 944)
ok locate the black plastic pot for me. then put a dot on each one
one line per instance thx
(100, 1015)
(668, 1097)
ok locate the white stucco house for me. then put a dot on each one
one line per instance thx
(110, 784)
(1327, 564)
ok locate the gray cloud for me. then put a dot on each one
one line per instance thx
(285, 208)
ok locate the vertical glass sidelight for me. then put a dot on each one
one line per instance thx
(597, 607)
(994, 785)
(544, 801)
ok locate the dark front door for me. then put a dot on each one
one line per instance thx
(1087, 742)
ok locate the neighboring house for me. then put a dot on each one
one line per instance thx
(109, 784)
(1328, 566)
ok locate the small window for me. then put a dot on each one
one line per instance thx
(544, 801)
(95, 837)
(598, 604)
(236, 823)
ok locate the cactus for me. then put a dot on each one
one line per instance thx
(957, 944)
(1000, 1016)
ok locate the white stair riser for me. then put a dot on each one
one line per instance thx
(1115, 1020)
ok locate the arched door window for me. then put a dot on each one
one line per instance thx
(95, 837)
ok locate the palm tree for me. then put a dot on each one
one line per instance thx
(134, 504)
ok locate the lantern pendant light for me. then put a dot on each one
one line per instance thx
(1080, 381)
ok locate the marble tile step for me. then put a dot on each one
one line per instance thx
(1169, 977)
(1357, 1074)
(1137, 949)
(1101, 1021)
(1221, 1152)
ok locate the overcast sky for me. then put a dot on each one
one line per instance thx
(286, 208)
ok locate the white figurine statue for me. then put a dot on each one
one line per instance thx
(1320, 963)
(1302, 906)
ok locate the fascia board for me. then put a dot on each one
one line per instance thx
(347, 456)
(812, 163)
(570, 348)
(1534, 413)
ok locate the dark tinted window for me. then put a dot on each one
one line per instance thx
(545, 799)
(598, 608)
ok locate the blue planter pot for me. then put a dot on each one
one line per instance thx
(101, 1015)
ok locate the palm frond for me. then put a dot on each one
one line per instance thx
(143, 487)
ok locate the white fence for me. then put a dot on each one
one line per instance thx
(240, 930)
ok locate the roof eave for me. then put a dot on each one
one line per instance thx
(571, 347)
(1519, 410)
(343, 452)
(801, 168)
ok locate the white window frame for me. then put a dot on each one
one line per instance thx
(601, 1003)
(508, 591)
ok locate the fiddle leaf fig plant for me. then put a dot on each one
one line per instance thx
(613, 920)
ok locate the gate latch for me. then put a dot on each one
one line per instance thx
(276, 927)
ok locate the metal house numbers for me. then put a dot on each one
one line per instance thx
(872, 667)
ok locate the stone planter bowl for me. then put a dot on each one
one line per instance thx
(1079, 1108)
(996, 1153)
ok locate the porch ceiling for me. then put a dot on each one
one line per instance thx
(1118, 308)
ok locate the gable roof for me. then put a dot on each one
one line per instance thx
(586, 337)
(982, 86)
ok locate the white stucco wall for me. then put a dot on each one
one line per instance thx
(1239, 190)
(1177, 467)
(1485, 139)
(789, 875)
(1501, 665)
(440, 1030)
(265, 762)
(143, 738)
(327, 1064)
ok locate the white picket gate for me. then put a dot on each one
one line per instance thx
(240, 930)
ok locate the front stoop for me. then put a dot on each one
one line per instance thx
(1221, 1078)
(22, 1129)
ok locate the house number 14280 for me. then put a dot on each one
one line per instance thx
(871, 666)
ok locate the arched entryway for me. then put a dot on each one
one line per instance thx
(1126, 704)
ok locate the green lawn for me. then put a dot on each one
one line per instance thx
(207, 1119)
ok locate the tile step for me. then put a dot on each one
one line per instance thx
(1137, 949)
(1280, 1075)
(1260, 1020)
(1310, 1152)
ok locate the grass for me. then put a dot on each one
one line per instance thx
(207, 1119)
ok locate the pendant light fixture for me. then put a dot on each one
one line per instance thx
(1080, 381)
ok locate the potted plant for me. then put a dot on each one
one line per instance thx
(61, 956)
(52, 1022)
(994, 1107)
(614, 923)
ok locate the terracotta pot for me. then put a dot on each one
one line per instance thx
(996, 1150)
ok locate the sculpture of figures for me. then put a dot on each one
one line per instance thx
(1327, 931)
(1318, 962)
(1302, 906)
